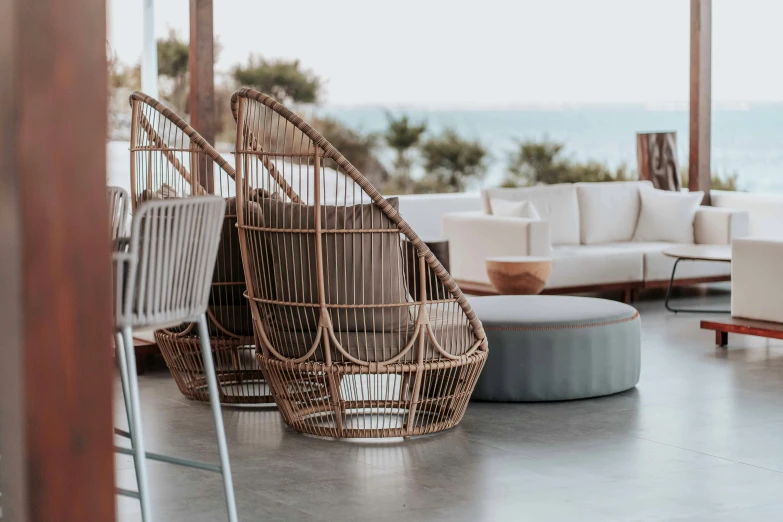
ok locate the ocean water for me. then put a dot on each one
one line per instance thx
(746, 139)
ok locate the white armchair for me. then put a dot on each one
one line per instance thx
(757, 279)
(474, 236)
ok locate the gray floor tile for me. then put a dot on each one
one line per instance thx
(700, 439)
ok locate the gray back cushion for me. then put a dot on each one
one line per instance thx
(359, 268)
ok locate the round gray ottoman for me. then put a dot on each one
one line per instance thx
(554, 348)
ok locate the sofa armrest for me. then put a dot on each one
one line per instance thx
(474, 236)
(718, 226)
(756, 285)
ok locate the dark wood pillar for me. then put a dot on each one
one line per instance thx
(699, 175)
(56, 368)
(202, 81)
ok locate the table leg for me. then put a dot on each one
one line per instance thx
(685, 310)
(721, 338)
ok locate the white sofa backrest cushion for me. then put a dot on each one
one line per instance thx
(609, 211)
(556, 204)
(518, 209)
(667, 216)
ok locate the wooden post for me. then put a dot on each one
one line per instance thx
(656, 156)
(699, 176)
(56, 372)
(202, 83)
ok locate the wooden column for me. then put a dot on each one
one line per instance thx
(56, 372)
(699, 176)
(202, 81)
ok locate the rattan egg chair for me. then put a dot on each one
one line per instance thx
(345, 348)
(170, 159)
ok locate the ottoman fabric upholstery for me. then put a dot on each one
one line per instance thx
(552, 348)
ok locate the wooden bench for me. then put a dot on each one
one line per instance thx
(742, 326)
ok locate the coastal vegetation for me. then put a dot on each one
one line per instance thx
(543, 162)
(401, 136)
(421, 161)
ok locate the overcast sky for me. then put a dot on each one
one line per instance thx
(459, 53)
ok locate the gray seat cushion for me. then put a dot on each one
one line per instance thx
(549, 348)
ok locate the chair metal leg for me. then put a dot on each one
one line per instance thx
(135, 424)
(123, 367)
(214, 401)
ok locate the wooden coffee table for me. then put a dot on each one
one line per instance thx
(519, 275)
(715, 253)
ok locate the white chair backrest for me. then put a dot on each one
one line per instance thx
(119, 211)
(168, 269)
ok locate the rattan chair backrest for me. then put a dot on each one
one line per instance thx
(328, 258)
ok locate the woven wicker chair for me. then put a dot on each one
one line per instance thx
(345, 348)
(170, 159)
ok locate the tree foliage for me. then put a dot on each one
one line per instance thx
(173, 54)
(123, 76)
(451, 163)
(401, 136)
(357, 147)
(284, 80)
(542, 162)
(729, 182)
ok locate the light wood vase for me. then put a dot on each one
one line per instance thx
(519, 275)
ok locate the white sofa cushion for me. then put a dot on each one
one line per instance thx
(658, 267)
(667, 216)
(579, 266)
(609, 211)
(518, 209)
(556, 204)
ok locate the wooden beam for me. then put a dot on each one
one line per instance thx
(699, 172)
(202, 83)
(56, 374)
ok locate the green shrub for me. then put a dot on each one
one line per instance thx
(451, 162)
(543, 162)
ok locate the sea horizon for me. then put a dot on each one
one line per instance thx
(747, 137)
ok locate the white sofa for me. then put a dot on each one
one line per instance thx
(757, 279)
(765, 211)
(588, 229)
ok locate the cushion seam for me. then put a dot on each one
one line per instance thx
(561, 327)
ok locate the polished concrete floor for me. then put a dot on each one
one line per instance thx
(699, 439)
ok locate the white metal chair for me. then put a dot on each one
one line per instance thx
(119, 212)
(163, 279)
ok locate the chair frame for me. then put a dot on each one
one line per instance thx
(119, 212)
(162, 278)
(435, 381)
(165, 149)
